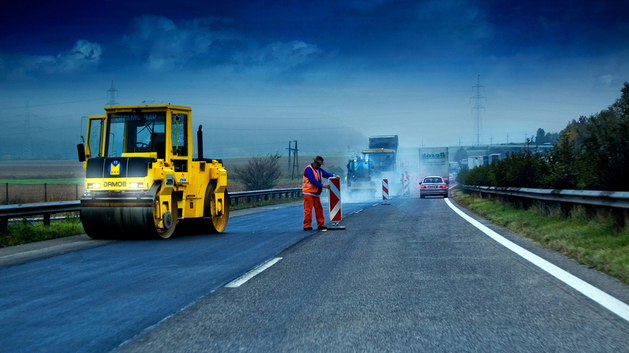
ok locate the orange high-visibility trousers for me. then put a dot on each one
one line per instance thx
(310, 202)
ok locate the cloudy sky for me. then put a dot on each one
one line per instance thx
(258, 74)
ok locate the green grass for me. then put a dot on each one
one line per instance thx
(23, 233)
(42, 181)
(591, 241)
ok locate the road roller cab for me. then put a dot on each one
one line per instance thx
(141, 179)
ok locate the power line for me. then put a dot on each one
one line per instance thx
(295, 164)
(478, 108)
(50, 104)
(112, 93)
(26, 119)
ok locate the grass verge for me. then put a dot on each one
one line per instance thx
(590, 241)
(23, 233)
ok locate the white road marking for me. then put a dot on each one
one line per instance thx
(610, 303)
(249, 275)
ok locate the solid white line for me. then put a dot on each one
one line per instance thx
(249, 275)
(612, 304)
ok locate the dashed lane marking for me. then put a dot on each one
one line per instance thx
(249, 275)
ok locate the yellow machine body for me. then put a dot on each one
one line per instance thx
(141, 179)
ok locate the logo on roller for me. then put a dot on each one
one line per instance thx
(115, 168)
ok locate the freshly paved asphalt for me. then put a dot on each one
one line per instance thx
(410, 276)
(80, 295)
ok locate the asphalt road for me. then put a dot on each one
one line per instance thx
(410, 276)
(81, 295)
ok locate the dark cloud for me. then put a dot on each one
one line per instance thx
(365, 63)
(84, 55)
(159, 43)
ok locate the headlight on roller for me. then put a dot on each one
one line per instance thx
(136, 185)
(93, 185)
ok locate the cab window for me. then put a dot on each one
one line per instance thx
(179, 135)
(135, 132)
(94, 138)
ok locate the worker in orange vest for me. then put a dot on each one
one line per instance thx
(311, 188)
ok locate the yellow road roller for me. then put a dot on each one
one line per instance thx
(141, 180)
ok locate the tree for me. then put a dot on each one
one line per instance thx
(460, 154)
(542, 137)
(261, 172)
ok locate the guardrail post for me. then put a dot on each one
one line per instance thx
(47, 219)
(4, 225)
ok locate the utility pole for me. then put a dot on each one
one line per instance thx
(112, 93)
(295, 160)
(289, 151)
(477, 107)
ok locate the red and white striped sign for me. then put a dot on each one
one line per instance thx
(335, 199)
(385, 190)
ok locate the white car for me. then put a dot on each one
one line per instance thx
(433, 186)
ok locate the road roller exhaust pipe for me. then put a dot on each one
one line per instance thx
(200, 142)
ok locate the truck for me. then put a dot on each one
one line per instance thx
(434, 161)
(141, 179)
(382, 153)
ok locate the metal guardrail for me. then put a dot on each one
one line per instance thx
(47, 208)
(263, 194)
(30, 209)
(613, 199)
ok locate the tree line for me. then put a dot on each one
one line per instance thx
(591, 153)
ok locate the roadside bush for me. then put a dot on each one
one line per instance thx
(462, 174)
(260, 173)
(478, 176)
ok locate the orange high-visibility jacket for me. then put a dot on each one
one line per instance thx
(307, 187)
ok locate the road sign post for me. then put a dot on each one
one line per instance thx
(385, 192)
(335, 209)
